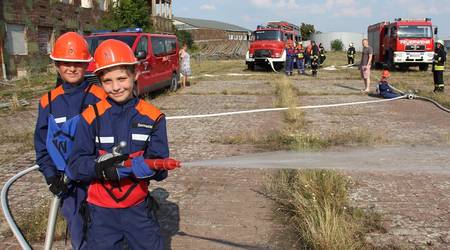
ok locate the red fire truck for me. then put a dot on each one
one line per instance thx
(403, 43)
(268, 47)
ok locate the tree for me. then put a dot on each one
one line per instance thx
(307, 30)
(128, 14)
(337, 45)
(184, 37)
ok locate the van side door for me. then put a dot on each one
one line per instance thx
(172, 56)
(158, 63)
(144, 67)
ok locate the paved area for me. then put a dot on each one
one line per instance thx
(214, 206)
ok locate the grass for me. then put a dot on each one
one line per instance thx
(25, 138)
(34, 224)
(29, 87)
(314, 206)
(295, 134)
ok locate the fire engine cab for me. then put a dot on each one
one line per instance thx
(403, 43)
(268, 45)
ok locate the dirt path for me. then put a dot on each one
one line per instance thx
(219, 208)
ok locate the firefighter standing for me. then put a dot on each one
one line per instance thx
(351, 54)
(118, 202)
(300, 52)
(59, 112)
(438, 66)
(290, 57)
(322, 55)
(314, 58)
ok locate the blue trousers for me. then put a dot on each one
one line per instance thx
(289, 64)
(110, 228)
(301, 66)
(70, 211)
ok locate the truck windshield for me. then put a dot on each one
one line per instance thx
(415, 31)
(268, 35)
(94, 41)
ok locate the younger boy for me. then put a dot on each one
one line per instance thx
(383, 88)
(118, 206)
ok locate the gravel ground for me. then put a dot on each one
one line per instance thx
(219, 208)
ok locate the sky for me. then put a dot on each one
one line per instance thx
(326, 15)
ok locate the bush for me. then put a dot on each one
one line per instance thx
(337, 45)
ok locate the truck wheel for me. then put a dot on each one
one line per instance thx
(278, 66)
(174, 83)
(251, 66)
(403, 67)
(423, 67)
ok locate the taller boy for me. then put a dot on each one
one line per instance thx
(59, 112)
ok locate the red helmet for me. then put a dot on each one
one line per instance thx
(71, 47)
(112, 53)
(385, 74)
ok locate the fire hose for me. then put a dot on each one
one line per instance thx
(163, 163)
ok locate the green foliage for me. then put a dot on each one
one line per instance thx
(307, 30)
(128, 14)
(337, 45)
(184, 37)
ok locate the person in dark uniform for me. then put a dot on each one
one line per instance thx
(322, 55)
(314, 58)
(351, 54)
(438, 66)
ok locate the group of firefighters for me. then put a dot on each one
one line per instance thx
(78, 130)
(296, 55)
(313, 56)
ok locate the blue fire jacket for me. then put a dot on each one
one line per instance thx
(141, 125)
(66, 102)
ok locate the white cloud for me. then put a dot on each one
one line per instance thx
(262, 3)
(207, 7)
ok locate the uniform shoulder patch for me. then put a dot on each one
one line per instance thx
(89, 113)
(98, 92)
(54, 93)
(145, 108)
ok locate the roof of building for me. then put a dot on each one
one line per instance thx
(209, 24)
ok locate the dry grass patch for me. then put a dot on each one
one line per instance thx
(34, 225)
(314, 204)
(24, 138)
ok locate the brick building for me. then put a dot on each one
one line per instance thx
(28, 28)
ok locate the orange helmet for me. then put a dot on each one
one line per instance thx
(112, 53)
(71, 47)
(385, 74)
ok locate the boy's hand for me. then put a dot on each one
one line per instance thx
(57, 185)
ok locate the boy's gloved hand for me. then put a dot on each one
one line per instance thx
(140, 169)
(56, 185)
(107, 170)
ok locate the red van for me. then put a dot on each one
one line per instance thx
(157, 55)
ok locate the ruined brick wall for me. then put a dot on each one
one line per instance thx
(205, 35)
(162, 25)
(44, 18)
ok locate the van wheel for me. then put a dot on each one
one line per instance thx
(174, 83)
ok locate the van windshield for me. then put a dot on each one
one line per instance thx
(268, 35)
(415, 31)
(94, 41)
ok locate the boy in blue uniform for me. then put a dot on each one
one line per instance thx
(383, 88)
(59, 111)
(118, 204)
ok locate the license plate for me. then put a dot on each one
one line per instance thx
(415, 54)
